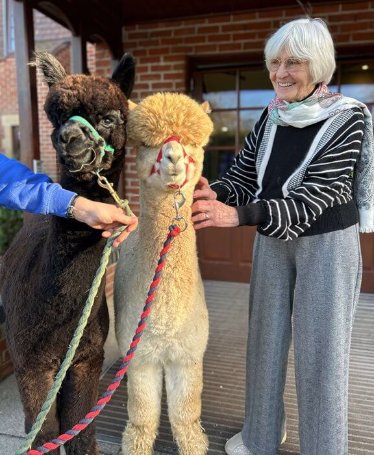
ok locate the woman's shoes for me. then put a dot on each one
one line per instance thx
(235, 445)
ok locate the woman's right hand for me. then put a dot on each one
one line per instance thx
(204, 191)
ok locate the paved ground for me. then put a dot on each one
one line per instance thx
(228, 302)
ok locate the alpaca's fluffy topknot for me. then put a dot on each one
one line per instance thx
(169, 114)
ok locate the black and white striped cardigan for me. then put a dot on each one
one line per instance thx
(323, 179)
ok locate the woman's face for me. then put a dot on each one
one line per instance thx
(290, 77)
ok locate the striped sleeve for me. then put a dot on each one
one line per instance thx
(328, 182)
(239, 185)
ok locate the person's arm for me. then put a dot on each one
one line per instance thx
(21, 189)
(328, 182)
(218, 204)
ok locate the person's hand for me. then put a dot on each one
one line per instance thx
(212, 213)
(107, 217)
(204, 191)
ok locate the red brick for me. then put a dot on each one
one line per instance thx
(159, 51)
(244, 36)
(219, 37)
(172, 41)
(160, 68)
(149, 59)
(246, 17)
(354, 6)
(161, 86)
(319, 9)
(217, 19)
(367, 15)
(206, 48)
(230, 47)
(364, 36)
(135, 35)
(173, 58)
(173, 76)
(184, 31)
(149, 43)
(208, 29)
(149, 77)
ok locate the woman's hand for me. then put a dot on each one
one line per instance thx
(208, 212)
(204, 191)
(107, 217)
(213, 214)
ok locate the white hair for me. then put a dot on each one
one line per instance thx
(308, 39)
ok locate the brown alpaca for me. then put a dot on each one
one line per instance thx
(48, 270)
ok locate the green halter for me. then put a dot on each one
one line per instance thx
(104, 148)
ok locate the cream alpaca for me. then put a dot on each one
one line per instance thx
(175, 339)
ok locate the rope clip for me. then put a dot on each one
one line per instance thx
(179, 200)
(104, 183)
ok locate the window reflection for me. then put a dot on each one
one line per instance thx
(256, 89)
(358, 82)
(248, 120)
(219, 88)
(217, 163)
(224, 128)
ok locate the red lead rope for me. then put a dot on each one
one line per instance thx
(107, 395)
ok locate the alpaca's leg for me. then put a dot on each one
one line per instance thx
(78, 395)
(184, 385)
(33, 389)
(144, 408)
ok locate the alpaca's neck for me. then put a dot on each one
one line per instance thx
(90, 189)
(157, 209)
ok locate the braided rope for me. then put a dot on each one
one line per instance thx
(60, 376)
(107, 395)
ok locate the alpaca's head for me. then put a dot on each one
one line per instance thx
(88, 114)
(169, 131)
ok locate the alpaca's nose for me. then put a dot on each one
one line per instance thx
(70, 133)
(173, 152)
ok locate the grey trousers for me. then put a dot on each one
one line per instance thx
(315, 281)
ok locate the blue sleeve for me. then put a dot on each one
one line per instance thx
(21, 189)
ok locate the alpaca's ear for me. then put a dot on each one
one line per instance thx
(132, 105)
(205, 106)
(124, 74)
(51, 68)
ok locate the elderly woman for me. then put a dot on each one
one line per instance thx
(303, 176)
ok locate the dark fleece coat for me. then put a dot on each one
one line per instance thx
(47, 272)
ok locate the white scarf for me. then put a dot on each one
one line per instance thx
(321, 105)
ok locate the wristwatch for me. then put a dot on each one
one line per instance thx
(70, 209)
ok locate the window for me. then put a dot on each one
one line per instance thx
(356, 79)
(238, 94)
(8, 25)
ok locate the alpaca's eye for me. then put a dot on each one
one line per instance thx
(107, 121)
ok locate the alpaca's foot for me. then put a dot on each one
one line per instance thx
(191, 439)
(138, 440)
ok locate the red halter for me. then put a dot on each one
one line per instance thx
(187, 160)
